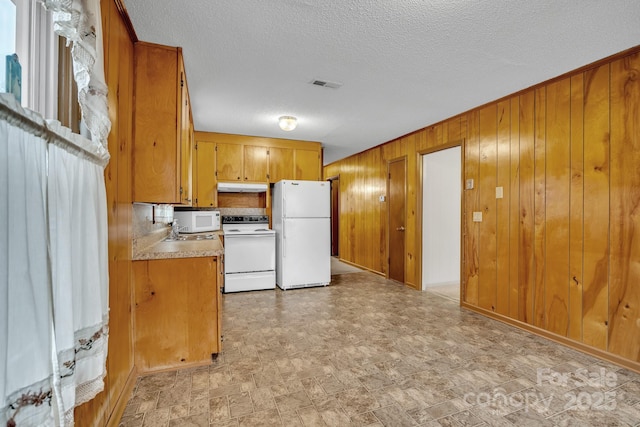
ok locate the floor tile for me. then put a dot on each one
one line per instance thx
(365, 351)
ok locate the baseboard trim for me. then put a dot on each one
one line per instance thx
(123, 399)
(567, 342)
(353, 264)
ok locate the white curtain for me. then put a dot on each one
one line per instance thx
(25, 292)
(53, 248)
(78, 235)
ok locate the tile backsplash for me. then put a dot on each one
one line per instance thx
(242, 211)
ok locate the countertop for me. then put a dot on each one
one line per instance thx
(162, 249)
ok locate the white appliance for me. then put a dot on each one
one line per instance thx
(241, 187)
(249, 253)
(301, 215)
(197, 221)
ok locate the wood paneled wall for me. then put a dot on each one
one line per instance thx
(107, 407)
(560, 252)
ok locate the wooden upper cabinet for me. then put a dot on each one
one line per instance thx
(204, 175)
(256, 163)
(161, 126)
(280, 164)
(229, 162)
(186, 141)
(307, 164)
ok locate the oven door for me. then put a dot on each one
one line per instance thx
(249, 252)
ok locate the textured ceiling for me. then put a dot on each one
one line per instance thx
(403, 64)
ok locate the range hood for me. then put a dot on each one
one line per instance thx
(241, 187)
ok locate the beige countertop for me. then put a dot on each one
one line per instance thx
(180, 249)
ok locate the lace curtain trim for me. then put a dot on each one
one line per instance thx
(80, 23)
(51, 130)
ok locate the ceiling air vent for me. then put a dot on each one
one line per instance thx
(332, 85)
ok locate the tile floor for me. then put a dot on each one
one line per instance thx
(368, 352)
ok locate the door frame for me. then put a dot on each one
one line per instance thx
(419, 225)
(332, 180)
(388, 225)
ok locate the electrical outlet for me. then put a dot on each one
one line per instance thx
(382, 198)
(477, 217)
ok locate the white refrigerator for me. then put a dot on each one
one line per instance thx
(301, 217)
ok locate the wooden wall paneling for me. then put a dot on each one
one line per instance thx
(624, 292)
(454, 130)
(596, 207)
(576, 206)
(487, 205)
(527, 213)
(539, 231)
(557, 202)
(514, 209)
(430, 137)
(411, 221)
(471, 204)
(108, 406)
(121, 340)
(503, 172)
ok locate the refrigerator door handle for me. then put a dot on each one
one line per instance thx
(284, 237)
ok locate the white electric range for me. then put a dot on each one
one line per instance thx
(249, 253)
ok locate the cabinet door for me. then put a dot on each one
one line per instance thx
(256, 163)
(186, 140)
(280, 164)
(156, 147)
(176, 319)
(307, 165)
(204, 175)
(229, 161)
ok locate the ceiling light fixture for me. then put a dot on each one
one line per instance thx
(287, 123)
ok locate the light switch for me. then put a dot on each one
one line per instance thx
(499, 193)
(468, 184)
(477, 217)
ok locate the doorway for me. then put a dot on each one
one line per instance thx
(441, 216)
(335, 215)
(397, 191)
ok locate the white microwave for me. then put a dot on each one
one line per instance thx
(197, 221)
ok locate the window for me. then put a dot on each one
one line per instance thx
(7, 37)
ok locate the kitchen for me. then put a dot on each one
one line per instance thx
(120, 51)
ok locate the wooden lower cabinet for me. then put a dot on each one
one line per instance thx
(177, 322)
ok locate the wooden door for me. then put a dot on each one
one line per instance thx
(280, 164)
(397, 179)
(204, 174)
(256, 163)
(307, 165)
(229, 164)
(335, 215)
